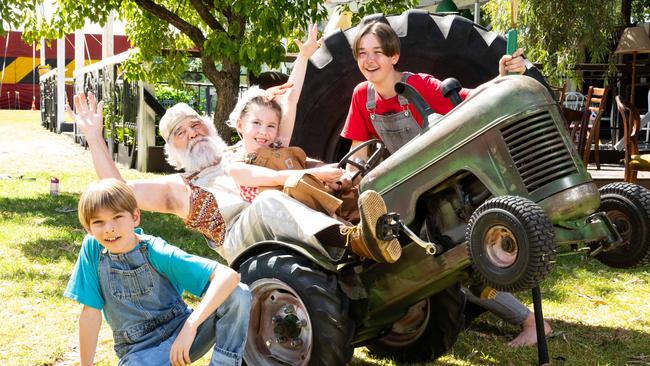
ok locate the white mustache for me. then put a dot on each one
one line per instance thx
(195, 141)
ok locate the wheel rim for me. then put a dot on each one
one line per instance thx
(622, 223)
(501, 246)
(408, 329)
(280, 330)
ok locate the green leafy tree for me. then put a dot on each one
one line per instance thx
(561, 42)
(361, 8)
(12, 14)
(225, 34)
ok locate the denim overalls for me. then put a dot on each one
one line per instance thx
(146, 312)
(396, 129)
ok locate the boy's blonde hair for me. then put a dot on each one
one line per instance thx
(110, 194)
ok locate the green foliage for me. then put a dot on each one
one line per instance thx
(113, 128)
(362, 8)
(14, 13)
(174, 95)
(233, 34)
(640, 11)
(556, 42)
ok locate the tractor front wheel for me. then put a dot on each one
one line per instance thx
(511, 243)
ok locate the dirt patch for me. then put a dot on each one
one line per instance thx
(25, 146)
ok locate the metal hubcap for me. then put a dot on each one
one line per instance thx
(622, 224)
(501, 246)
(408, 329)
(280, 330)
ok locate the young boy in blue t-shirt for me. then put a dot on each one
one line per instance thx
(137, 281)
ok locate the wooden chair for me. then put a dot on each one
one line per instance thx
(631, 129)
(587, 131)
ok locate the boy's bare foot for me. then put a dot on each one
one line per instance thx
(528, 335)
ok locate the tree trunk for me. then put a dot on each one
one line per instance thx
(626, 12)
(226, 83)
(227, 93)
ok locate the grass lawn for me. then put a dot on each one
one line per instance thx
(600, 316)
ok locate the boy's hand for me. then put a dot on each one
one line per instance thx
(89, 114)
(512, 63)
(180, 352)
(311, 44)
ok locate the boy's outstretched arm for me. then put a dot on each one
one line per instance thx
(223, 282)
(90, 321)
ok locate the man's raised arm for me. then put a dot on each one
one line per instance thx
(166, 194)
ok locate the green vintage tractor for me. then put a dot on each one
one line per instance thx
(485, 195)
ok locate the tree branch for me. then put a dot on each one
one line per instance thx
(191, 31)
(210, 69)
(209, 5)
(205, 14)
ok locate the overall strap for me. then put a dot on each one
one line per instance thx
(371, 104)
(402, 100)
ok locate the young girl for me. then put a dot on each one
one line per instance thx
(258, 124)
(265, 129)
(264, 163)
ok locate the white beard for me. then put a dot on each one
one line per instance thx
(201, 153)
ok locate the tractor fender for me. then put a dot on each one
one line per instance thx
(269, 245)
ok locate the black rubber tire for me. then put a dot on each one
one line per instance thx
(628, 206)
(468, 53)
(528, 225)
(327, 306)
(446, 320)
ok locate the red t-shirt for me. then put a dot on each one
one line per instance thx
(358, 126)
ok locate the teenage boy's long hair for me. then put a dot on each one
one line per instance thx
(109, 194)
(388, 39)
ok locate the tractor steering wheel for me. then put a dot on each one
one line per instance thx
(363, 166)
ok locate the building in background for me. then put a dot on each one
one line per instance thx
(19, 65)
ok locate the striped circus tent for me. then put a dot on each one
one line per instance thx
(19, 62)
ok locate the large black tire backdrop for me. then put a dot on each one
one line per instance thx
(326, 305)
(440, 45)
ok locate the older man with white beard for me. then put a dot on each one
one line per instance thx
(209, 201)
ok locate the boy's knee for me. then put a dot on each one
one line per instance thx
(241, 297)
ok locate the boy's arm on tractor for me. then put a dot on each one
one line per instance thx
(223, 282)
(90, 322)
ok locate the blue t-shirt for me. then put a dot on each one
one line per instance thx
(186, 272)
